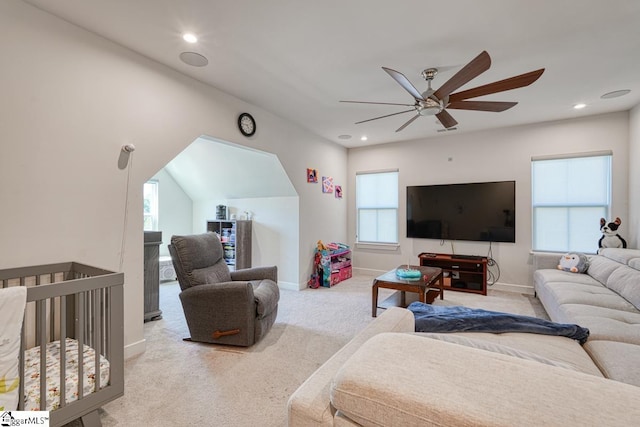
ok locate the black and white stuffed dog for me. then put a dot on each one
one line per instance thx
(610, 239)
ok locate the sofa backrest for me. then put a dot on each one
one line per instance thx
(619, 270)
(623, 256)
(625, 281)
(601, 267)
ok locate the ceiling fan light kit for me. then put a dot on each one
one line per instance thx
(430, 102)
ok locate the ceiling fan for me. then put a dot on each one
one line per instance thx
(436, 102)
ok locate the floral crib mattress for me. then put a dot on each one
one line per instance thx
(32, 374)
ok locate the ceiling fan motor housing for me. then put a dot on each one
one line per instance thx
(429, 107)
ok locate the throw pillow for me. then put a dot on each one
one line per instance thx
(573, 262)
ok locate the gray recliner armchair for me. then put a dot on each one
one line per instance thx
(222, 306)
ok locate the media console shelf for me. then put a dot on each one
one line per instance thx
(466, 273)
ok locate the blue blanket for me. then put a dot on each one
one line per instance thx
(431, 318)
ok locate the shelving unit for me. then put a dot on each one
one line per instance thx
(235, 236)
(333, 266)
(152, 242)
(465, 273)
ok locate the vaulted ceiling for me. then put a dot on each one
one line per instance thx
(298, 59)
(214, 170)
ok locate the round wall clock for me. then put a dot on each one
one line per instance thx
(246, 124)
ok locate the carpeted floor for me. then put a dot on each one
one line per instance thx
(182, 383)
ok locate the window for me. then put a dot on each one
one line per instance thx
(377, 207)
(150, 201)
(569, 196)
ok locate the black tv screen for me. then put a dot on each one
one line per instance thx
(484, 211)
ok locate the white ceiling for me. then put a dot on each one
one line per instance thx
(213, 170)
(298, 58)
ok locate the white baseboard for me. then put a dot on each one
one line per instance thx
(291, 286)
(510, 287)
(135, 349)
(368, 271)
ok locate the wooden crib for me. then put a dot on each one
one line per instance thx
(70, 306)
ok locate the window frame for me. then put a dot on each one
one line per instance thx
(536, 207)
(377, 209)
(155, 206)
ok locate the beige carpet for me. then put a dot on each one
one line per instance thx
(181, 383)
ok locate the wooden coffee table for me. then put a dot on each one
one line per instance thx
(431, 280)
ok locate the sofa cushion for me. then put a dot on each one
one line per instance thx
(544, 276)
(387, 382)
(626, 282)
(551, 350)
(310, 403)
(604, 323)
(623, 256)
(559, 294)
(615, 359)
(597, 296)
(600, 267)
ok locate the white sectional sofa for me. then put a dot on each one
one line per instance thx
(389, 375)
(606, 300)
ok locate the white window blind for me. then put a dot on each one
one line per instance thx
(569, 196)
(377, 207)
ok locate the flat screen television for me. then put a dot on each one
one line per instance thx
(483, 211)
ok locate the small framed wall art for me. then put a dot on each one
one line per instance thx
(312, 175)
(327, 184)
(338, 192)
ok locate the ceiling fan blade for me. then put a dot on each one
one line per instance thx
(446, 119)
(500, 86)
(473, 69)
(404, 82)
(380, 103)
(388, 115)
(494, 106)
(408, 122)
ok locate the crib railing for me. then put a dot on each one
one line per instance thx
(73, 300)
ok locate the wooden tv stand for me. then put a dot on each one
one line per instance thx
(466, 273)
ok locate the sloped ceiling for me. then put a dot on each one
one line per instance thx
(298, 59)
(214, 170)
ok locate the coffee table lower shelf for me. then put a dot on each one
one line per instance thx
(428, 287)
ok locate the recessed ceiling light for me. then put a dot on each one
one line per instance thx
(363, 138)
(579, 106)
(189, 38)
(344, 136)
(615, 94)
(194, 59)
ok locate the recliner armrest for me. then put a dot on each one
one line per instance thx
(267, 295)
(256, 273)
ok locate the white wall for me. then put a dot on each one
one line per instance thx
(175, 211)
(70, 100)
(274, 229)
(497, 155)
(634, 178)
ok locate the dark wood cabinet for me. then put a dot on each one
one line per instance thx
(152, 242)
(465, 273)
